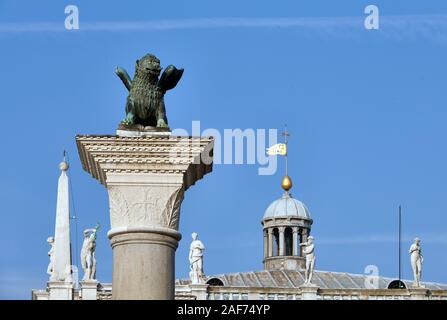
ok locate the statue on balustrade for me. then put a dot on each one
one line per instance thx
(88, 259)
(309, 252)
(196, 260)
(416, 261)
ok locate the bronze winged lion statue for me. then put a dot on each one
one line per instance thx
(145, 106)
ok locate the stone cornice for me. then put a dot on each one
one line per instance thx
(104, 154)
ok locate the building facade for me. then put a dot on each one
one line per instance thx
(286, 225)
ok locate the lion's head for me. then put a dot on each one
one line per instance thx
(149, 64)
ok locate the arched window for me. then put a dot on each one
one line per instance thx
(397, 284)
(288, 239)
(216, 282)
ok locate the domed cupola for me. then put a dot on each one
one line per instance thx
(286, 224)
(286, 206)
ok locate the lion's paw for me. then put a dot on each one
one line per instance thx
(161, 124)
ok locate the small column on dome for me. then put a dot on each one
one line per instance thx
(295, 241)
(270, 244)
(281, 241)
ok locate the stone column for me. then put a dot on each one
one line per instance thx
(270, 240)
(295, 241)
(281, 241)
(304, 234)
(146, 178)
(265, 236)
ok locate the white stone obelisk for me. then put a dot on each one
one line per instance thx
(61, 280)
(62, 261)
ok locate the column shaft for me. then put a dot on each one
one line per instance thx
(144, 264)
(270, 244)
(265, 237)
(281, 241)
(304, 233)
(295, 241)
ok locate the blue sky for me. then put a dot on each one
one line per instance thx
(366, 109)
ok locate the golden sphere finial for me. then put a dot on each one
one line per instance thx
(286, 183)
(63, 166)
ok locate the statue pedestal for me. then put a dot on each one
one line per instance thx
(200, 291)
(309, 292)
(60, 290)
(89, 290)
(146, 178)
(418, 293)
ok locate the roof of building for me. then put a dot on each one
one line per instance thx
(286, 206)
(294, 279)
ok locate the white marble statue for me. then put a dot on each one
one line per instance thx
(309, 252)
(50, 269)
(416, 261)
(88, 260)
(196, 260)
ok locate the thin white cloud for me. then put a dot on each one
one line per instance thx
(182, 24)
(404, 26)
(215, 23)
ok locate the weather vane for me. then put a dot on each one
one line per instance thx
(281, 149)
(286, 134)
